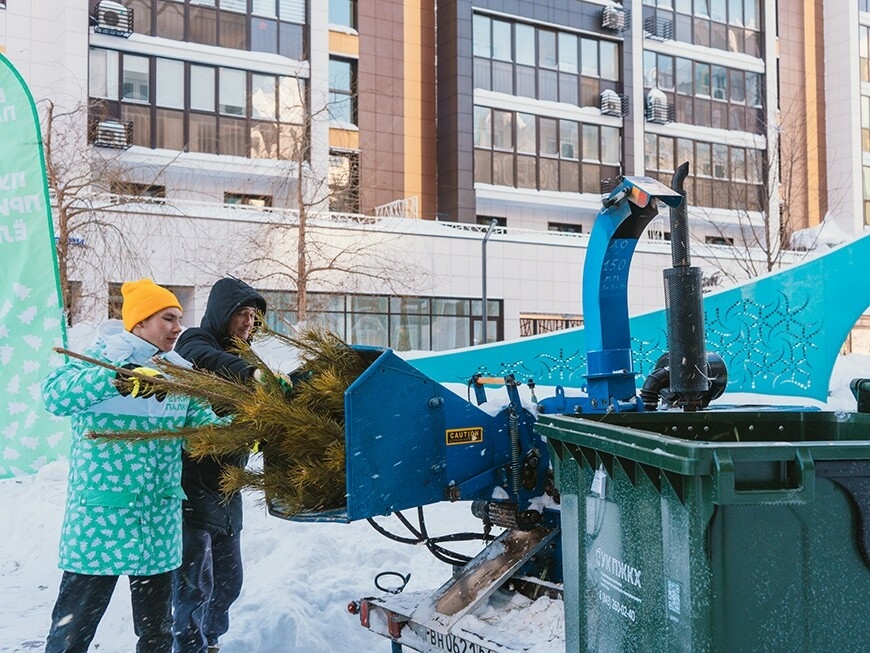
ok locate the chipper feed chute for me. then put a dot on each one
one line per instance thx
(411, 442)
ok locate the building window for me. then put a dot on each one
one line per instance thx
(343, 13)
(720, 176)
(138, 190)
(74, 312)
(565, 227)
(215, 117)
(115, 302)
(135, 79)
(522, 150)
(342, 90)
(734, 26)
(706, 95)
(402, 323)
(276, 26)
(247, 200)
(486, 220)
(719, 240)
(545, 64)
(344, 182)
(534, 324)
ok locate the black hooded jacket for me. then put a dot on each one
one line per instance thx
(206, 347)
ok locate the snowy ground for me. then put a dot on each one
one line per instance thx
(299, 576)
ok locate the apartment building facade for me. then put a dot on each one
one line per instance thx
(424, 122)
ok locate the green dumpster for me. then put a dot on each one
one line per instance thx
(726, 531)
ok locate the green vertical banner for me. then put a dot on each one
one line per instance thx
(31, 317)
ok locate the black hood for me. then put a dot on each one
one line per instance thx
(226, 297)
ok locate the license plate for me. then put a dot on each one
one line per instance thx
(454, 644)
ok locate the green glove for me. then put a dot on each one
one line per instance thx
(285, 383)
(134, 386)
(289, 382)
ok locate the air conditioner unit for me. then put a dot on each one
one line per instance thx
(613, 104)
(113, 18)
(113, 133)
(613, 17)
(658, 28)
(657, 108)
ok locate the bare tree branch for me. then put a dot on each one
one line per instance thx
(765, 220)
(87, 187)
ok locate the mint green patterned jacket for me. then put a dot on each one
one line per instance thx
(123, 508)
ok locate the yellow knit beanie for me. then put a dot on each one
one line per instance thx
(142, 299)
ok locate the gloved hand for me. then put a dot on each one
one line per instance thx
(136, 387)
(285, 382)
(289, 382)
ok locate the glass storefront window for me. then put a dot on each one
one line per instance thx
(402, 323)
(410, 332)
(372, 330)
(368, 303)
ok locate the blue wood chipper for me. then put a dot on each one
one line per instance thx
(619, 502)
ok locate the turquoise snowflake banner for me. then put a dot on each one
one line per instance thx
(31, 317)
(779, 334)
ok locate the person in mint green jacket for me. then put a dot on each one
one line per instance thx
(123, 508)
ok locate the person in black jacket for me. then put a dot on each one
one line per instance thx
(210, 576)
